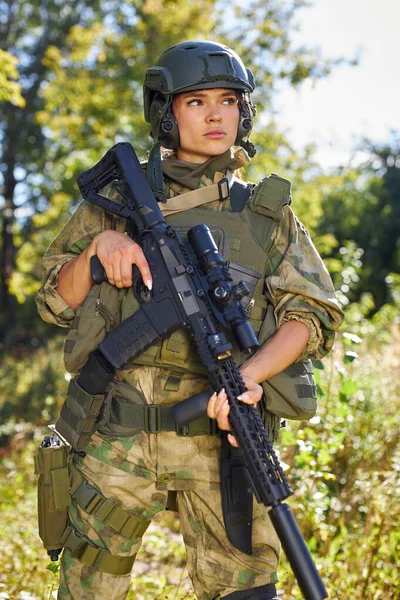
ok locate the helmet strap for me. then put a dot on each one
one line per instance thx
(249, 147)
(154, 172)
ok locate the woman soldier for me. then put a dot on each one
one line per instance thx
(197, 100)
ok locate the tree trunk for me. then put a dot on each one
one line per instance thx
(7, 256)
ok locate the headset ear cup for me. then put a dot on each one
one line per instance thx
(246, 113)
(164, 128)
(169, 134)
(244, 129)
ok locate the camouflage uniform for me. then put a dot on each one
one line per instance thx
(138, 471)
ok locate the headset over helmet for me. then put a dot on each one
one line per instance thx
(195, 65)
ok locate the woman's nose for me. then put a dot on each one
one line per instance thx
(214, 114)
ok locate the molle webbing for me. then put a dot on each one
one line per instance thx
(79, 415)
(109, 513)
(104, 510)
(95, 557)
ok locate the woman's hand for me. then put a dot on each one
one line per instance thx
(117, 253)
(218, 407)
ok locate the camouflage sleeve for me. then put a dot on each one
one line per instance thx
(299, 286)
(86, 222)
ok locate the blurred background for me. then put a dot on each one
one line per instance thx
(327, 94)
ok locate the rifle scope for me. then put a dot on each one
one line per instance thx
(223, 295)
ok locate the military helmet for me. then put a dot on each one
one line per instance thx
(194, 65)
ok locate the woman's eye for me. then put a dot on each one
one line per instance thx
(231, 100)
(194, 102)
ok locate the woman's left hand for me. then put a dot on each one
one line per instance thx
(218, 407)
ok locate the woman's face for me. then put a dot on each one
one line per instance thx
(208, 123)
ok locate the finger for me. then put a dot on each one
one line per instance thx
(247, 398)
(122, 263)
(211, 406)
(117, 273)
(222, 417)
(232, 440)
(215, 403)
(139, 259)
(252, 395)
(126, 273)
(221, 399)
(109, 269)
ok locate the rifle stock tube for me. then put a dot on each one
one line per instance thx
(297, 553)
(192, 408)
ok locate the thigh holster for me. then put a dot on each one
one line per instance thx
(237, 497)
(52, 463)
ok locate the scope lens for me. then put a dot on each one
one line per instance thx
(204, 246)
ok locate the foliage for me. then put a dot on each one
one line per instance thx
(10, 90)
(345, 470)
(32, 389)
(26, 30)
(365, 209)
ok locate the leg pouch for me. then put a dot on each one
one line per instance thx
(52, 465)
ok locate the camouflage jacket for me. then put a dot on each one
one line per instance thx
(299, 286)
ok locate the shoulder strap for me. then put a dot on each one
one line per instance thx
(230, 186)
(218, 191)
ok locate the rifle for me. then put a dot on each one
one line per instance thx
(194, 292)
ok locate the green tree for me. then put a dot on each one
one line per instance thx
(10, 90)
(27, 29)
(365, 208)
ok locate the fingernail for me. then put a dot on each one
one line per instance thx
(149, 284)
(225, 405)
(244, 397)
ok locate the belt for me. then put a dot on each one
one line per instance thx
(154, 418)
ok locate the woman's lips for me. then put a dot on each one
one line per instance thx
(215, 134)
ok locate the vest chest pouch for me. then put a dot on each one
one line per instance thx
(270, 196)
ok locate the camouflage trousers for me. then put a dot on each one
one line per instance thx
(137, 472)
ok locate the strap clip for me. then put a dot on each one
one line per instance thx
(182, 430)
(152, 418)
(223, 189)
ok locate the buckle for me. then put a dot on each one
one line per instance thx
(223, 189)
(152, 418)
(182, 430)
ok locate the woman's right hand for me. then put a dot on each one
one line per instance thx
(117, 253)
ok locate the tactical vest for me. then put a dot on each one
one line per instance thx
(243, 239)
